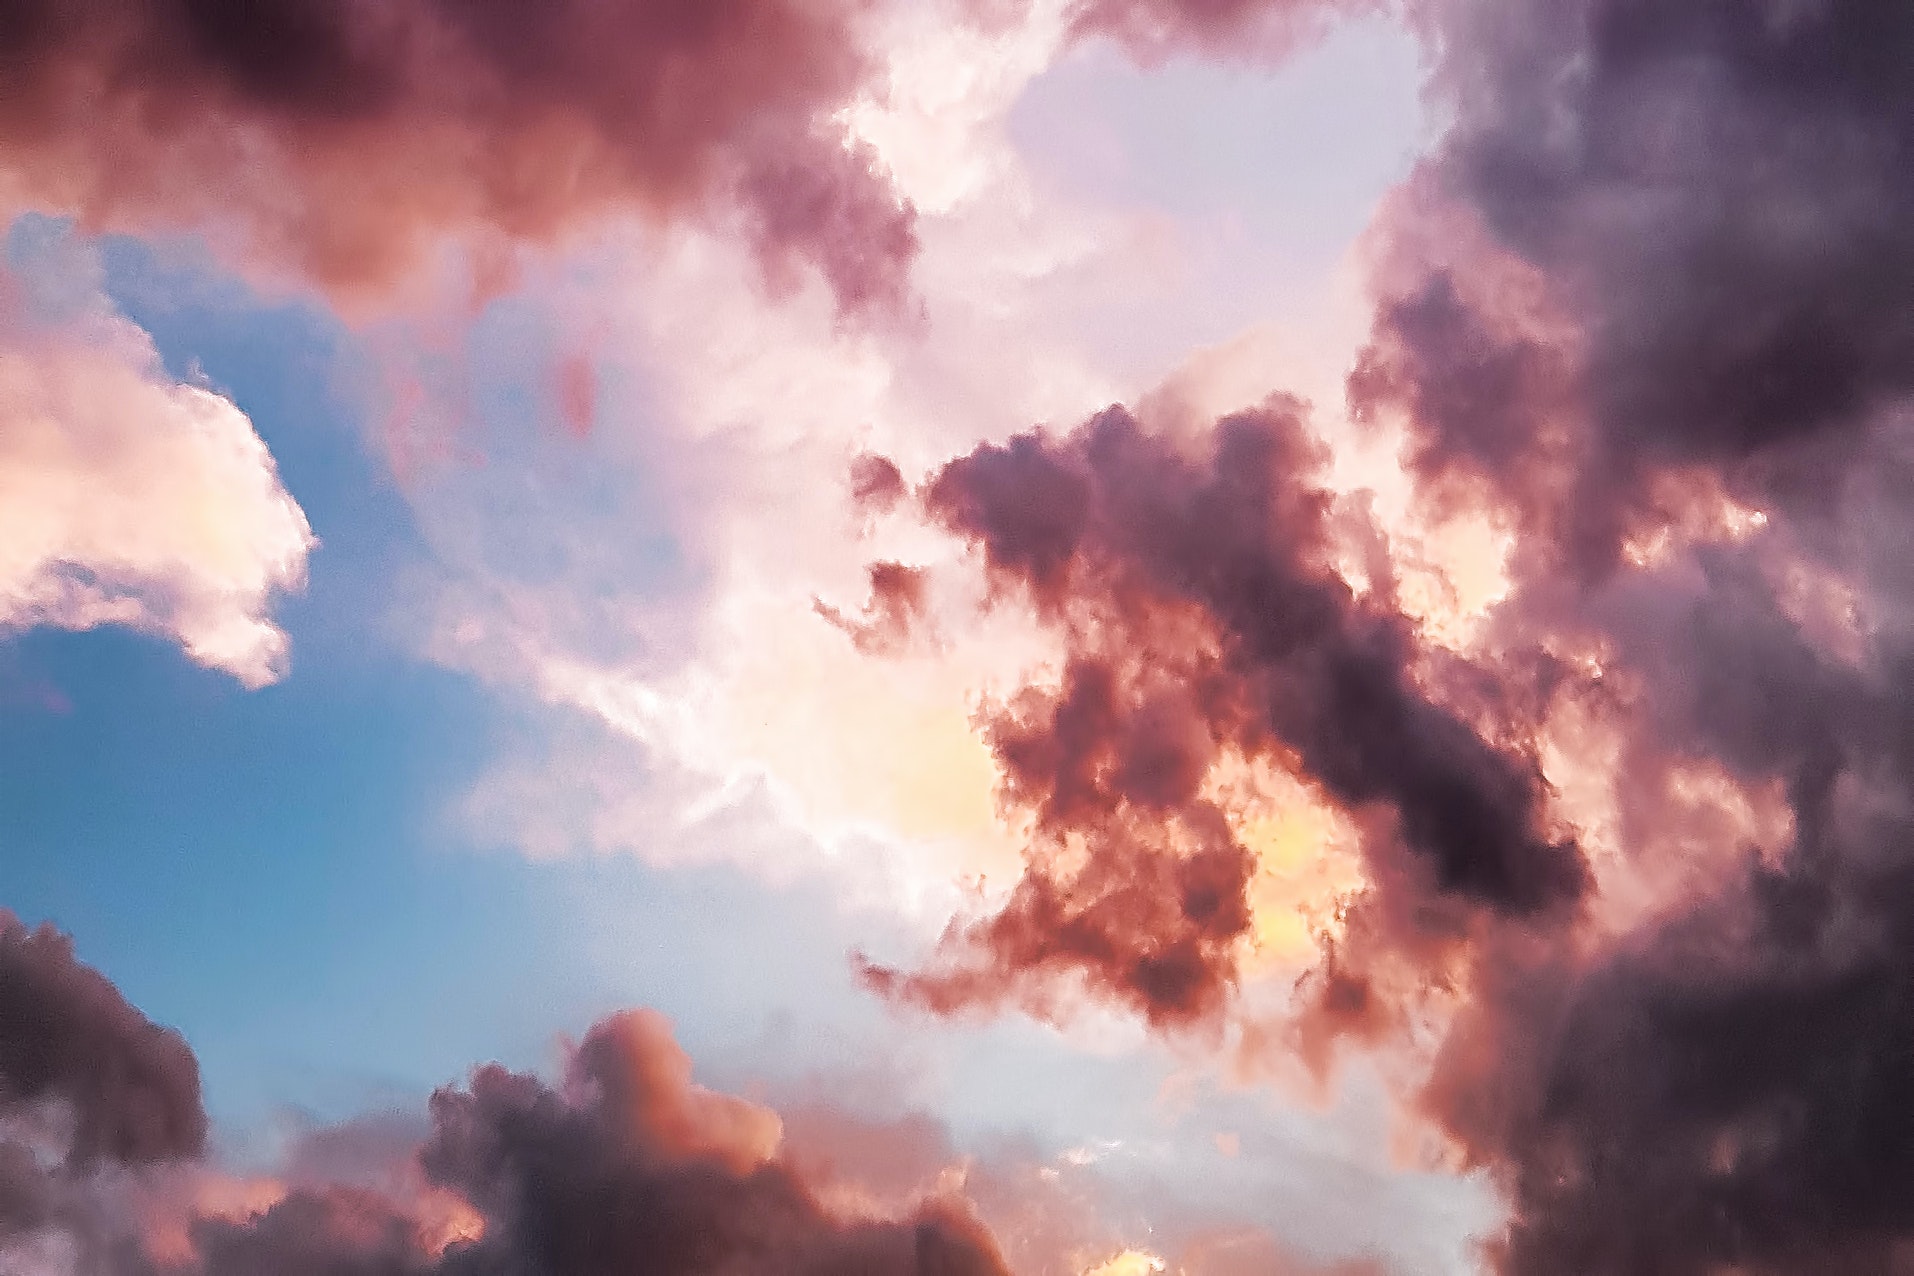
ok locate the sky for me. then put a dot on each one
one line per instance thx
(947, 637)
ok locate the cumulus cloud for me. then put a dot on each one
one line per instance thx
(626, 1165)
(131, 1088)
(87, 1084)
(1205, 619)
(127, 497)
(341, 140)
(1646, 304)
(623, 1164)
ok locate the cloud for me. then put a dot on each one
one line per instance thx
(341, 140)
(1229, 30)
(1711, 199)
(899, 597)
(624, 1164)
(88, 1085)
(1630, 838)
(130, 1087)
(1633, 841)
(1646, 303)
(127, 497)
(620, 1160)
(1643, 311)
(1199, 599)
(650, 1171)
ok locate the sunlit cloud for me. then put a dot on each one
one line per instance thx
(127, 496)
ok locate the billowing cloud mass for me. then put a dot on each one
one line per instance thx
(87, 1083)
(1712, 200)
(625, 1165)
(628, 1166)
(342, 139)
(1707, 460)
(1646, 310)
(1205, 618)
(127, 497)
(130, 1089)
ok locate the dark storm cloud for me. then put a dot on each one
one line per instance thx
(1716, 196)
(1708, 213)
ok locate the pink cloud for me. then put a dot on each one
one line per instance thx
(127, 497)
(342, 140)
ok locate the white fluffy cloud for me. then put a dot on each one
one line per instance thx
(129, 498)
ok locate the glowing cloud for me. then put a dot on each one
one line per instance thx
(129, 498)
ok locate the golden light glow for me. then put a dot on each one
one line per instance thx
(1307, 859)
(1451, 576)
(1131, 1262)
(1695, 509)
(166, 1219)
(884, 743)
(445, 1219)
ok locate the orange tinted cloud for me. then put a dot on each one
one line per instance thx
(626, 1164)
(1205, 621)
